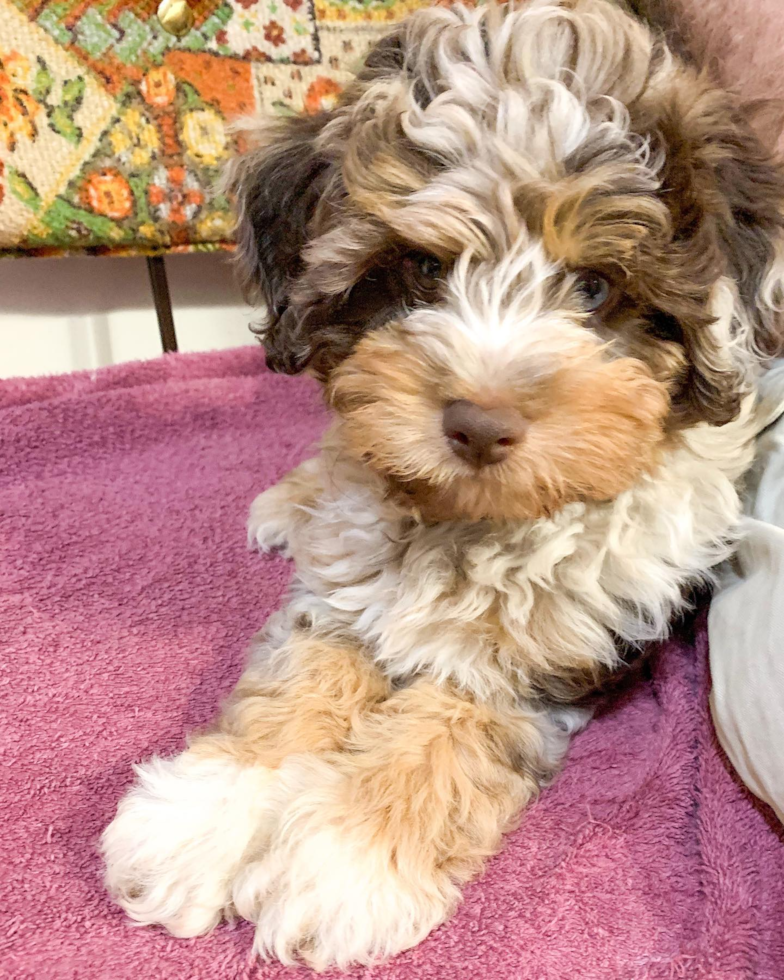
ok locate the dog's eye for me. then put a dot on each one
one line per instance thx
(664, 326)
(422, 269)
(595, 291)
(428, 265)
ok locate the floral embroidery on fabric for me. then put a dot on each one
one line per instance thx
(134, 139)
(107, 192)
(274, 33)
(204, 136)
(322, 95)
(175, 195)
(113, 133)
(159, 87)
(218, 225)
(18, 107)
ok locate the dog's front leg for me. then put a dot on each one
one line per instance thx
(189, 824)
(370, 851)
(276, 513)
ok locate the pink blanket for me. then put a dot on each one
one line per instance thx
(126, 599)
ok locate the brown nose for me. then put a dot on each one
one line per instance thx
(482, 435)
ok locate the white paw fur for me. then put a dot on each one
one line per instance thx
(328, 896)
(198, 838)
(275, 513)
(180, 836)
(268, 521)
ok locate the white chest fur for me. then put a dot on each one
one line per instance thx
(491, 606)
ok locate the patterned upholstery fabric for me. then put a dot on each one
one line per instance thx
(113, 132)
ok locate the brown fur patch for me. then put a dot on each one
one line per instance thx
(725, 189)
(725, 195)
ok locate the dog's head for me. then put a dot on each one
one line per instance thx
(525, 252)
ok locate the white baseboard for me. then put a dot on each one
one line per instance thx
(70, 314)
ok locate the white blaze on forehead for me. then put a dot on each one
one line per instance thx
(529, 132)
(500, 319)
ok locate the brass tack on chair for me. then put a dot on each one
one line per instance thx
(175, 16)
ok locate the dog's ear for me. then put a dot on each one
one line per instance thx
(277, 184)
(386, 58)
(725, 193)
(285, 187)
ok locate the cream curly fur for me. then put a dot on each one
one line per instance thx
(416, 692)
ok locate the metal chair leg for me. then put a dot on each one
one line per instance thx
(156, 269)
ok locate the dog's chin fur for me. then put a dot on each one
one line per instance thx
(446, 621)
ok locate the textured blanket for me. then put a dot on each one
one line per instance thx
(127, 597)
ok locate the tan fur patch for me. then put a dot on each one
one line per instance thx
(379, 186)
(588, 224)
(326, 687)
(596, 425)
(434, 780)
(430, 780)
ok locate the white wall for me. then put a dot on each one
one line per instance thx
(69, 314)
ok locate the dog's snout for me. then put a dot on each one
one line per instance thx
(482, 435)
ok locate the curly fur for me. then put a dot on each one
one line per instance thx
(446, 621)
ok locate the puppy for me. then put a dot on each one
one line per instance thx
(536, 260)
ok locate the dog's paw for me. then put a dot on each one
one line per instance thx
(328, 896)
(269, 520)
(180, 836)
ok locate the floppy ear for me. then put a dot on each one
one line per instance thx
(277, 185)
(285, 188)
(725, 193)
